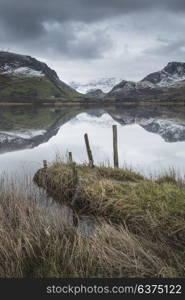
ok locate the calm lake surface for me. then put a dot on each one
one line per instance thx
(150, 139)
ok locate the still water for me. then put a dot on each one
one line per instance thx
(150, 140)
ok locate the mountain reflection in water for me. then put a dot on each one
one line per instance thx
(151, 139)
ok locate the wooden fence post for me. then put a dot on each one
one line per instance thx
(45, 164)
(89, 153)
(115, 146)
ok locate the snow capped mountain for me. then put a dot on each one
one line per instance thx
(22, 65)
(170, 75)
(103, 84)
(167, 84)
(173, 73)
(43, 83)
(151, 87)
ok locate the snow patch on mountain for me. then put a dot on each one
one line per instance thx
(170, 80)
(21, 71)
(173, 73)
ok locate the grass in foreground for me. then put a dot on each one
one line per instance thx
(149, 208)
(152, 210)
(139, 226)
(34, 244)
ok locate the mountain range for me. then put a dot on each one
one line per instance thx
(25, 79)
(164, 85)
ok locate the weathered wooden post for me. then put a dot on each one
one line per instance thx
(45, 164)
(115, 146)
(89, 153)
(70, 157)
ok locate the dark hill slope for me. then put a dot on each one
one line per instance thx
(25, 79)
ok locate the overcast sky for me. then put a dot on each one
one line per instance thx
(90, 39)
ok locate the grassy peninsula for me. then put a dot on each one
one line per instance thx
(139, 225)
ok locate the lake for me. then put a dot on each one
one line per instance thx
(151, 139)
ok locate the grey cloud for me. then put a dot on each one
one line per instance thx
(24, 22)
(173, 49)
(25, 18)
(75, 42)
(76, 30)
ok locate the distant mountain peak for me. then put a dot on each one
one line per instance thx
(174, 67)
(17, 64)
(172, 73)
(166, 84)
(104, 84)
(95, 93)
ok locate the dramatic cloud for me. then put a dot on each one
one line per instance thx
(84, 39)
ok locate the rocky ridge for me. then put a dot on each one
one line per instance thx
(167, 84)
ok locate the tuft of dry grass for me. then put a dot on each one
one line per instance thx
(28, 239)
(170, 177)
(129, 255)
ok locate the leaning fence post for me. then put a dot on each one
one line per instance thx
(89, 153)
(45, 164)
(115, 146)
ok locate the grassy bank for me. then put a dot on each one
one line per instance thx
(151, 210)
(35, 243)
(155, 208)
(139, 226)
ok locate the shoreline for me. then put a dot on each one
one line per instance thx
(97, 103)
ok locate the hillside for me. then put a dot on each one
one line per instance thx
(25, 79)
(165, 85)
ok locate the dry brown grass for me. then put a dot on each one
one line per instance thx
(34, 244)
